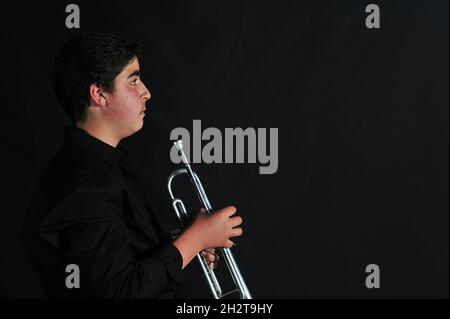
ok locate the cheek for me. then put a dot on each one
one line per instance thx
(128, 106)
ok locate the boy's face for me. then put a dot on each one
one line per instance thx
(126, 103)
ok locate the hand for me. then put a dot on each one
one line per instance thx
(216, 229)
(208, 231)
(211, 257)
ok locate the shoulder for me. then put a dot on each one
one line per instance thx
(76, 180)
(75, 165)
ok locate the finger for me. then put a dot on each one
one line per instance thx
(206, 253)
(212, 265)
(209, 257)
(213, 257)
(235, 232)
(235, 221)
(208, 250)
(229, 211)
(228, 244)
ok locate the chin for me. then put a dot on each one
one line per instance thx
(140, 126)
(135, 129)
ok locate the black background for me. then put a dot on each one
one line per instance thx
(362, 116)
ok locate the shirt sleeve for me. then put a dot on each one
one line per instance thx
(98, 241)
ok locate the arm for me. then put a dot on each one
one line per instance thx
(98, 242)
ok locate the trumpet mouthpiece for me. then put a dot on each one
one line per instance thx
(179, 145)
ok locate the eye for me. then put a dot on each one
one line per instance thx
(134, 82)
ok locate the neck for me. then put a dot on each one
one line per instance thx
(100, 133)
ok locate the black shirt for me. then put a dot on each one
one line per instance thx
(87, 211)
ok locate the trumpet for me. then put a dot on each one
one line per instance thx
(182, 215)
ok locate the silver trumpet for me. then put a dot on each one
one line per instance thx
(182, 215)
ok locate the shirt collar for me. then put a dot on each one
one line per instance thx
(75, 135)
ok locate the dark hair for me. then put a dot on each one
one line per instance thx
(86, 59)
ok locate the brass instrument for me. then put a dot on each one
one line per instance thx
(182, 215)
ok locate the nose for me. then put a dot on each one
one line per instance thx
(146, 95)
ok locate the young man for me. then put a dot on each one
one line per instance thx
(87, 212)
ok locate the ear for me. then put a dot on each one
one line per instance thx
(96, 93)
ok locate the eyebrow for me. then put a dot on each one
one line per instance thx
(135, 73)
